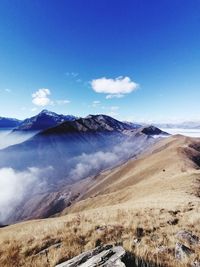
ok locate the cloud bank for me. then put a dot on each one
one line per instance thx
(13, 188)
(16, 185)
(8, 138)
(91, 164)
(117, 87)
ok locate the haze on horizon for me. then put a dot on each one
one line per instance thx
(133, 60)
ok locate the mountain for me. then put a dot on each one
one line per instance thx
(143, 204)
(73, 150)
(170, 162)
(153, 131)
(45, 119)
(183, 125)
(70, 139)
(9, 122)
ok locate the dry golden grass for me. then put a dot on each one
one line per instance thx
(131, 205)
(24, 245)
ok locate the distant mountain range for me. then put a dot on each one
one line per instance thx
(9, 122)
(71, 151)
(48, 119)
(183, 125)
(44, 120)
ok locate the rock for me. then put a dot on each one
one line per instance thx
(136, 241)
(196, 264)
(139, 232)
(188, 236)
(174, 212)
(162, 250)
(181, 251)
(173, 221)
(105, 256)
(46, 250)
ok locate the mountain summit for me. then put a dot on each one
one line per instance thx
(44, 120)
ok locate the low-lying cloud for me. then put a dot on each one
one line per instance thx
(117, 87)
(91, 164)
(8, 138)
(16, 185)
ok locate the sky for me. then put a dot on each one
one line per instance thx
(136, 60)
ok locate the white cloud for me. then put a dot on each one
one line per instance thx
(114, 108)
(41, 97)
(10, 181)
(33, 109)
(62, 102)
(114, 96)
(96, 103)
(88, 164)
(114, 87)
(16, 185)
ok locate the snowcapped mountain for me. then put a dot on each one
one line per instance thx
(9, 122)
(45, 119)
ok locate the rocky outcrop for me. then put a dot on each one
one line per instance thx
(196, 263)
(188, 237)
(181, 251)
(105, 256)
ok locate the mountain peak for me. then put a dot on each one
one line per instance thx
(47, 112)
(44, 120)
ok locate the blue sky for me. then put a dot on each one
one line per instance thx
(132, 59)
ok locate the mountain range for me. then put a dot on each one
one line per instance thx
(97, 181)
(47, 119)
(9, 122)
(70, 152)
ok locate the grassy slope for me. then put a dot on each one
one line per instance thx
(160, 186)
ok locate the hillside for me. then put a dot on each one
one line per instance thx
(168, 169)
(141, 204)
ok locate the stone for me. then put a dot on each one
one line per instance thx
(162, 249)
(181, 251)
(188, 236)
(173, 221)
(196, 263)
(139, 232)
(105, 256)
